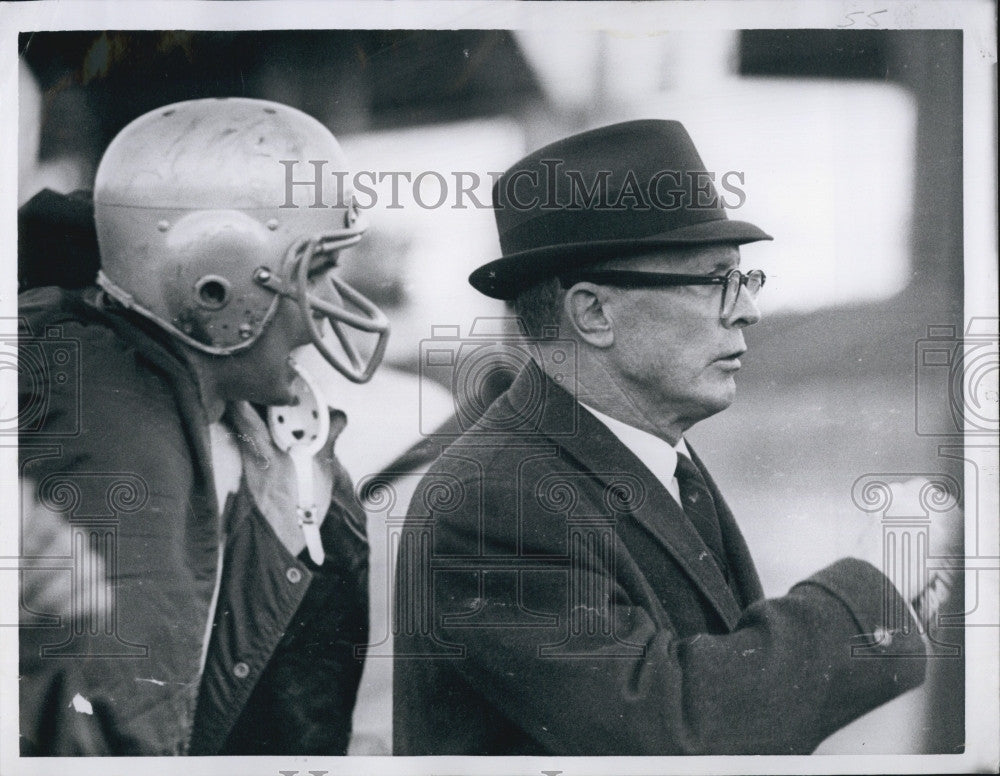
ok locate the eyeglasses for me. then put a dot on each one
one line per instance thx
(732, 282)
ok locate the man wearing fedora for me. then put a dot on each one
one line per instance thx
(570, 579)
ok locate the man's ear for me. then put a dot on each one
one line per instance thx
(584, 306)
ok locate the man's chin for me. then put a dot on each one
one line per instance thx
(280, 395)
(282, 398)
(721, 398)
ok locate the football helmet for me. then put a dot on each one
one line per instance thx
(208, 211)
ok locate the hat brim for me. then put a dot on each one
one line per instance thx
(506, 277)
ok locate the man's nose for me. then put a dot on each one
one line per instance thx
(745, 312)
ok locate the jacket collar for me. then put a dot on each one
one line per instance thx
(159, 351)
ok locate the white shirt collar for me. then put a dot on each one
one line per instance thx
(658, 455)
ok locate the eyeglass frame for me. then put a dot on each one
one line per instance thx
(627, 278)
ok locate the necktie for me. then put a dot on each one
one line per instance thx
(697, 503)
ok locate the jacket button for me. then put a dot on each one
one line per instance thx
(294, 575)
(241, 670)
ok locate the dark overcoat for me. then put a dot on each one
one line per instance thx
(552, 598)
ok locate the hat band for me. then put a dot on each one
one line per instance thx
(579, 225)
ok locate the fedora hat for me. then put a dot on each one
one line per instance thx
(611, 192)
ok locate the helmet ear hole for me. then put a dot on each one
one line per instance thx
(212, 292)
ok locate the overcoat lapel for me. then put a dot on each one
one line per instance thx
(599, 452)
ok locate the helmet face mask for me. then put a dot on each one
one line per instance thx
(310, 281)
(201, 231)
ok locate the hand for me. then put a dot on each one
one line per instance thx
(904, 511)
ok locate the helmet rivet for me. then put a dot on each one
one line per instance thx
(262, 275)
(163, 226)
(245, 330)
(272, 224)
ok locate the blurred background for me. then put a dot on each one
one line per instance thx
(850, 148)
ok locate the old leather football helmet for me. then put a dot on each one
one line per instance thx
(208, 210)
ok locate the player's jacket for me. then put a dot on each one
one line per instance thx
(115, 446)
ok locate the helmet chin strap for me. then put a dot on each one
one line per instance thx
(301, 430)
